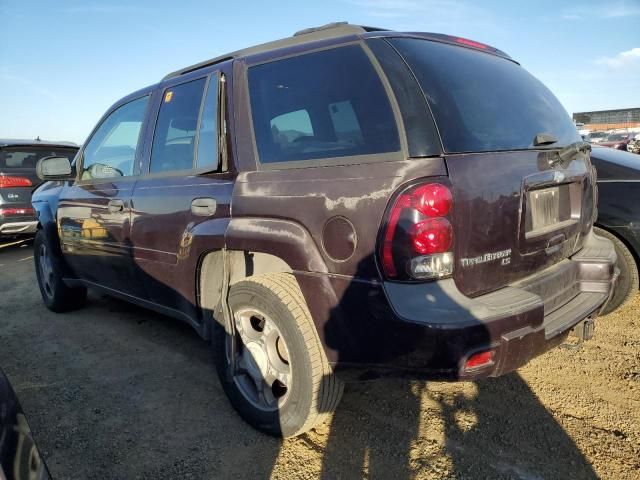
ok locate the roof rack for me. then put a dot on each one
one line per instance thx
(330, 30)
(339, 25)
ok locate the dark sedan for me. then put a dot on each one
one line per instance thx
(18, 159)
(619, 215)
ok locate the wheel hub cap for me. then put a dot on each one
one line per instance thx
(262, 367)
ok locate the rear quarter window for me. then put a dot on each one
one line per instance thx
(321, 105)
(482, 102)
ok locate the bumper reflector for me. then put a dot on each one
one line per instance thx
(480, 359)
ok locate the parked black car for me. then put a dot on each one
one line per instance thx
(19, 456)
(619, 215)
(18, 159)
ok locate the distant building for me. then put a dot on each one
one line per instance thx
(609, 119)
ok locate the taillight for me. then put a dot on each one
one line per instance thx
(433, 235)
(7, 212)
(417, 239)
(433, 200)
(12, 182)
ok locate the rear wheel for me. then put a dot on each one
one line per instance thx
(57, 296)
(282, 383)
(628, 281)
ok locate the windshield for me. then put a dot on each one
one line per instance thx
(482, 102)
(21, 158)
(597, 135)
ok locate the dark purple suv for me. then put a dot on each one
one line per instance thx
(346, 202)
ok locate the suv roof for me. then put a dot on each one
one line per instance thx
(10, 142)
(330, 31)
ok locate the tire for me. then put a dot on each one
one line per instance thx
(628, 281)
(309, 392)
(57, 296)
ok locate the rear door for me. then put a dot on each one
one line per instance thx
(94, 213)
(518, 206)
(181, 205)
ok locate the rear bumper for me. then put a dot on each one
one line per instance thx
(10, 227)
(518, 322)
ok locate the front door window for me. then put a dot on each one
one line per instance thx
(112, 150)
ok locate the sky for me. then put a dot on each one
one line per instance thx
(64, 62)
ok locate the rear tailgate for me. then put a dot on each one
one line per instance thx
(515, 215)
(519, 207)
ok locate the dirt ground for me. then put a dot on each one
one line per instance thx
(114, 391)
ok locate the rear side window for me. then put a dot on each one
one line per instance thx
(321, 105)
(482, 102)
(174, 137)
(25, 158)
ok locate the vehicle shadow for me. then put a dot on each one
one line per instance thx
(512, 435)
(401, 429)
(495, 428)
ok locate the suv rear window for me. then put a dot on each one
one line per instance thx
(483, 102)
(20, 158)
(325, 104)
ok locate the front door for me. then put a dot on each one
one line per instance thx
(94, 213)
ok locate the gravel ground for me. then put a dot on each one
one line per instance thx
(114, 391)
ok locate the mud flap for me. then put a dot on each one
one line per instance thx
(227, 313)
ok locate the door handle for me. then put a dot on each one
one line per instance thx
(204, 207)
(115, 206)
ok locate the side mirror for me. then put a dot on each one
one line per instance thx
(54, 168)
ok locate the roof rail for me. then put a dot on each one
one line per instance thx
(330, 30)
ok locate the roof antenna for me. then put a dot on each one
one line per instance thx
(38, 139)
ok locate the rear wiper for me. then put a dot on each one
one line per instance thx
(544, 139)
(573, 149)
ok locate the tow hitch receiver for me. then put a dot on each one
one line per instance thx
(584, 330)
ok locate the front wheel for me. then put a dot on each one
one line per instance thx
(280, 382)
(57, 296)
